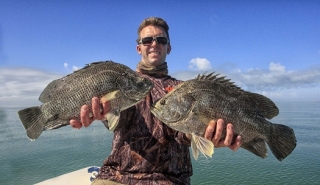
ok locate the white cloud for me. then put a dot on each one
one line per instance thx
(199, 64)
(22, 86)
(74, 68)
(277, 67)
(276, 82)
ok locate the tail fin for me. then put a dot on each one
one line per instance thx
(281, 141)
(33, 121)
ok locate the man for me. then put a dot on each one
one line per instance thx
(144, 150)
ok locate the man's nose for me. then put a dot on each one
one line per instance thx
(154, 42)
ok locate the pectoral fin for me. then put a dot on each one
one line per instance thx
(194, 148)
(110, 96)
(113, 118)
(201, 144)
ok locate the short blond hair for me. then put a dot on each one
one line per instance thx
(153, 21)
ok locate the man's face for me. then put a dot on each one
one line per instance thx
(153, 54)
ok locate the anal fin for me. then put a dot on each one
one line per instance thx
(256, 146)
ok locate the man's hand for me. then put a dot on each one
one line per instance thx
(214, 132)
(98, 112)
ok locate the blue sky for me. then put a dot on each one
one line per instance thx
(268, 47)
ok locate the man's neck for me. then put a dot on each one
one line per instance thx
(161, 70)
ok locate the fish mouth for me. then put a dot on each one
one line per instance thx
(156, 112)
(153, 109)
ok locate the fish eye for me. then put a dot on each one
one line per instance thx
(140, 85)
(163, 102)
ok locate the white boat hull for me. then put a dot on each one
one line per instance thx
(78, 177)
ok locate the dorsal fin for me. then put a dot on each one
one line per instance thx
(267, 107)
(89, 65)
(210, 76)
(221, 79)
(63, 84)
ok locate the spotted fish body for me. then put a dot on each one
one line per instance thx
(63, 98)
(191, 105)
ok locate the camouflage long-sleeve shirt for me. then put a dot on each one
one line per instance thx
(146, 151)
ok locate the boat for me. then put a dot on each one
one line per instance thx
(83, 176)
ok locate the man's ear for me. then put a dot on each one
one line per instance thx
(169, 49)
(138, 49)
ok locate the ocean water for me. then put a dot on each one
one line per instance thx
(64, 150)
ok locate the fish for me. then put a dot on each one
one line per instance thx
(62, 98)
(192, 104)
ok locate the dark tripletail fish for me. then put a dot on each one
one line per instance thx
(63, 98)
(191, 105)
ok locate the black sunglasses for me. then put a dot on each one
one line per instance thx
(149, 40)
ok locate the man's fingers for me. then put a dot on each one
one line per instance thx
(96, 108)
(229, 135)
(218, 132)
(228, 141)
(75, 124)
(237, 144)
(99, 110)
(210, 130)
(84, 116)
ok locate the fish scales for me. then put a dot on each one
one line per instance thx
(191, 105)
(63, 98)
(65, 84)
(97, 89)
